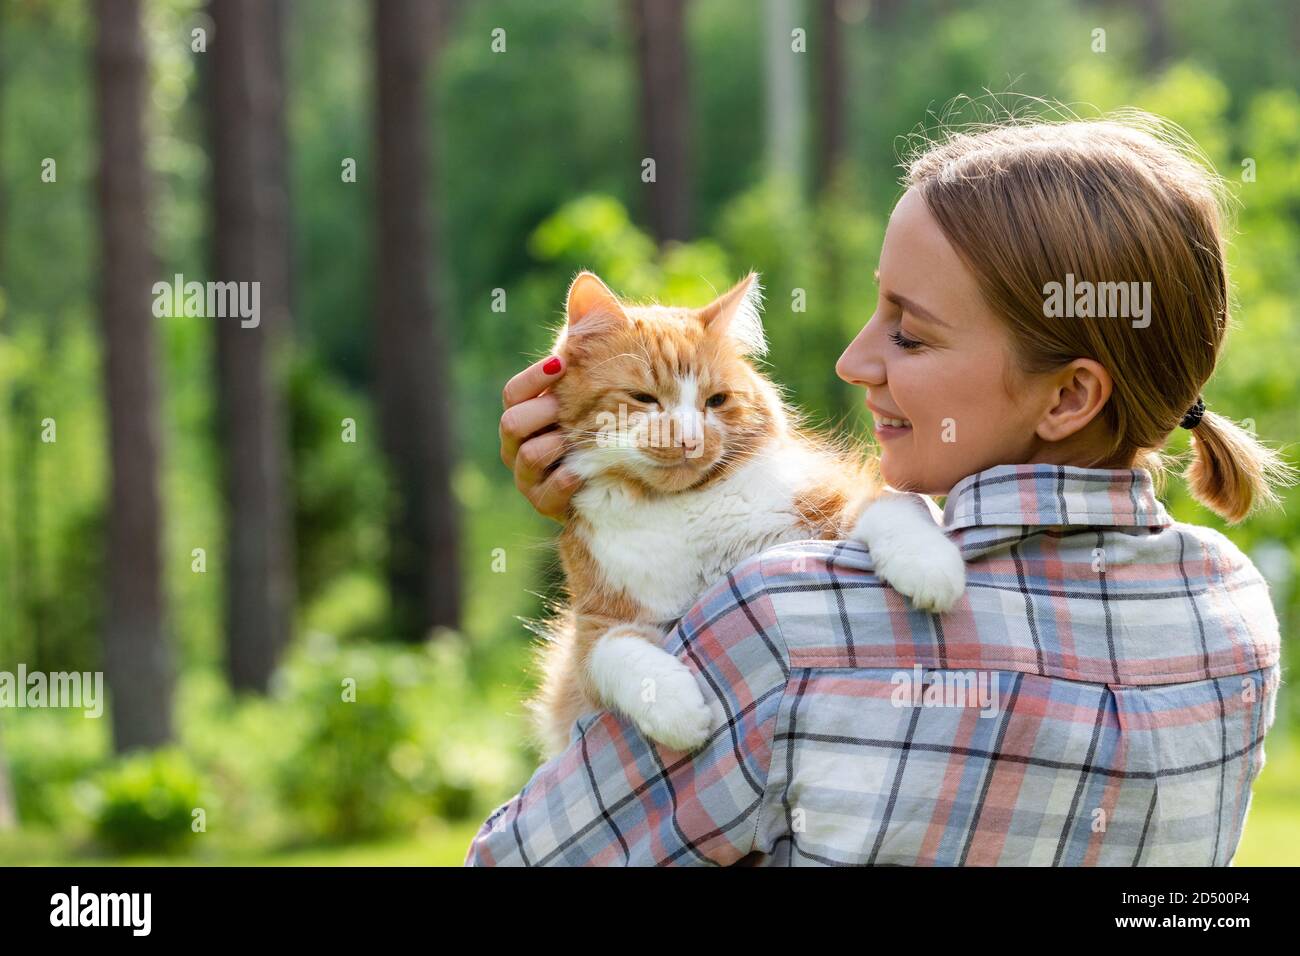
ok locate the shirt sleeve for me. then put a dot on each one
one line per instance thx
(614, 798)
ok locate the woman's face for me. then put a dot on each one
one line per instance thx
(934, 356)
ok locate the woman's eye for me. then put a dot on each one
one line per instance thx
(645, 398)
(903, 342)
(716, 401)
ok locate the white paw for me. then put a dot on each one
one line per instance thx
(655, 690)
(933, 577)
(911, 554)
(675, 713)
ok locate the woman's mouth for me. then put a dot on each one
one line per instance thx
(887, 428)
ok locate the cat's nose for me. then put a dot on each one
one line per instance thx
(691, 444)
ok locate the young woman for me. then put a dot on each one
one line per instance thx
(1053, 299)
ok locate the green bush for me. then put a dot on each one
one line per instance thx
(146, 803)
(51, 752)
(341, 783)
(385, 737)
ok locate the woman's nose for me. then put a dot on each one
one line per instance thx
(862, 363)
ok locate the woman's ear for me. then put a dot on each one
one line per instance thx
(1079, 392)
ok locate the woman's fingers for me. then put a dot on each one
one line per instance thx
(535, 457)
(529, 446)
(526, 409)
(551, 497)
(532, 381)
(523, 420)
(548, 488)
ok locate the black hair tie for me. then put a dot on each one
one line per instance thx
(1193, 416)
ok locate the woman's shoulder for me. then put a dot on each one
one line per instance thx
(1227, 560)
(1230, 574)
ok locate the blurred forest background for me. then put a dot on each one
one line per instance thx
(237, 524)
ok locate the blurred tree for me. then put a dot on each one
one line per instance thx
(251, 243)
(1158, 42)
(7, 817)
(663, 66)
(137, 658)
(830, 92)
(884, 13)
(784, 102)
(411, 371)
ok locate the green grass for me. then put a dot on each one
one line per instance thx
(1272, 835)
(440, 844)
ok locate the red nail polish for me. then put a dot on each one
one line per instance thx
(552, 366)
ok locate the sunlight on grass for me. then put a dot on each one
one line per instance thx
(1272, 837)
(439, 844)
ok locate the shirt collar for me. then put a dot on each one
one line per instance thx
(1054, 495)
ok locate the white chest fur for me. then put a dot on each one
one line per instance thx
(664, 552)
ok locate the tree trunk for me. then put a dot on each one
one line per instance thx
(251, 245)
(8, 569)
(885, 13)
(663, 64)
(411, 373)
(784, 101)
(1159, 42)
(830, 92)
(137, 658)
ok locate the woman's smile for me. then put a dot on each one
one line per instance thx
(887, 426)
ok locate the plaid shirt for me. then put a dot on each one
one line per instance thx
(1099, 696)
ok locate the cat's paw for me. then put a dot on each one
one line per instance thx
(912, 555)
(933, 578)
(655, 690)
(677, 717)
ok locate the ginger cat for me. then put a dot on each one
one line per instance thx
(692, 463)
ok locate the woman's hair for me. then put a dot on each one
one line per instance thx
(1118, 200)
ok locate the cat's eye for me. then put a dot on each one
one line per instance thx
(716, 401)
(645, 398)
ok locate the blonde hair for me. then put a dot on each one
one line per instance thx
(1114, 200)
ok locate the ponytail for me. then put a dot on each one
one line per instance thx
(1231, 471)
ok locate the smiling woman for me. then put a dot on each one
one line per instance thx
(1114, 202)
(936, 356)
(1130, 661)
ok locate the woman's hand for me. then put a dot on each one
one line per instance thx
(530, 443)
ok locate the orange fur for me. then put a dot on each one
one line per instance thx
(614, 351)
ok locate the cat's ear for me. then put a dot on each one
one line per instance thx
(591, 306)
(738, 313)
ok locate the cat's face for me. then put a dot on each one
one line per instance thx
(662, 397)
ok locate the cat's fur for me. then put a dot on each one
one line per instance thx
(685, 492)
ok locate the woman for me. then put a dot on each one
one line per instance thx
(1053, 299)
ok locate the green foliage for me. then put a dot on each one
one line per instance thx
(340, 488)
(146, 802)
(49, 754)
(342, 780)
(367, 759)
